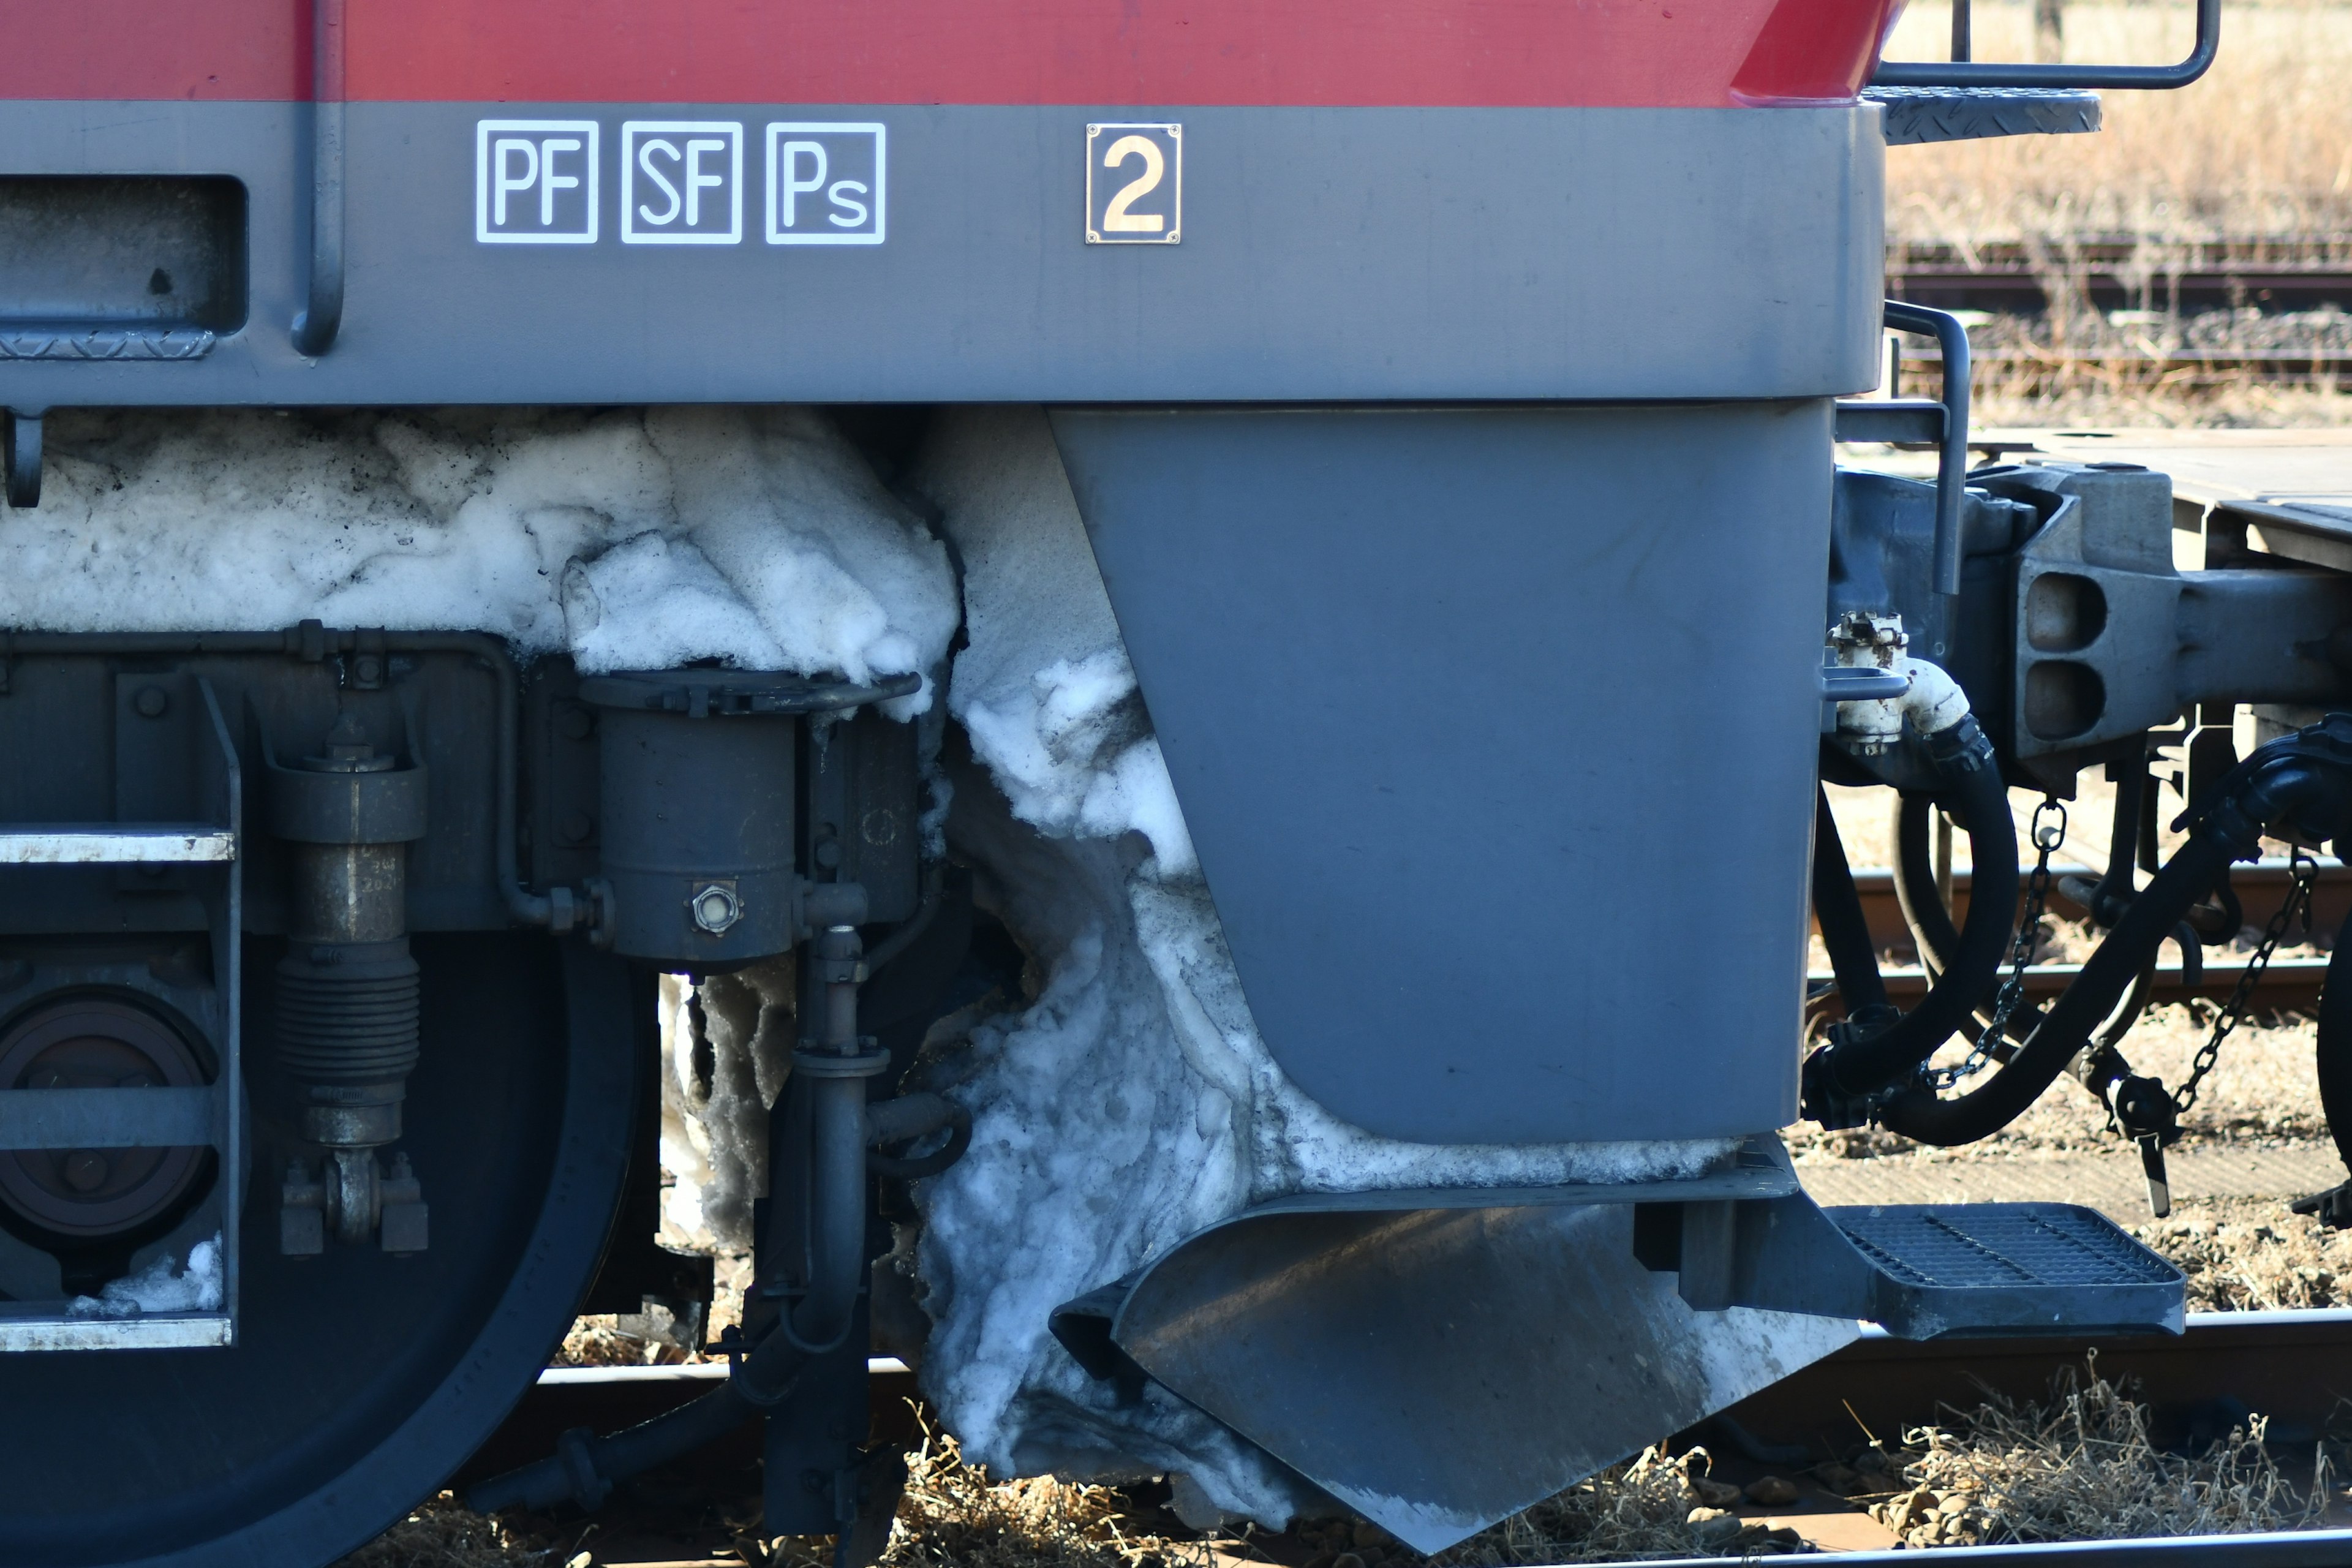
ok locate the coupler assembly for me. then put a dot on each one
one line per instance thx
(347, 993)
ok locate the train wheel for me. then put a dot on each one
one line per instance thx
(360, 1380)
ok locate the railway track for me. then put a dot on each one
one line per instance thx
(2293, 1367)
(2186, 369)
(2125, 273)
(2110, 275)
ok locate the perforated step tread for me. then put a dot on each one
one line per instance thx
(2013, 1269)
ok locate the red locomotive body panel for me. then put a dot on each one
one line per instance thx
(1232, 53)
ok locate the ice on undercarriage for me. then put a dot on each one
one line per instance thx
(1126, 1104)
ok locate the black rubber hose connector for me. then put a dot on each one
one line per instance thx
(584, 1467)
(1837, 909)
(2336, 1044)
(2334, 1206)
(1863, 1063)
(2231, 830)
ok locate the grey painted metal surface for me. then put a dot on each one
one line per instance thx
(1436, 688)
(1441, 1369)
(2113, 640)
(1328, 254)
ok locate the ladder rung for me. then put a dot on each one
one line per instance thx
(107, 843)
(156, 1118)
(180, 1331)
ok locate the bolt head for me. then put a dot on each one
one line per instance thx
(84, 1170)
(151, 702)
(715, 908)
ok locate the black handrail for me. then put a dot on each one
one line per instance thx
(1961, 72)
(1952, 465)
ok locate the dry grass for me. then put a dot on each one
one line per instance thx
(2256, 158)
(442, 1532)
(2080, 1467)
(952, 1516)
(2259, 149)
(2248, 1254)
(1652, 1506)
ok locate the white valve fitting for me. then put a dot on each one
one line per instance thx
(1933, 702)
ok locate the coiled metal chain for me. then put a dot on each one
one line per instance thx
(2049, 834)
(2304, 870)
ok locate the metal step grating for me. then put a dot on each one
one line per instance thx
(2001, 1246)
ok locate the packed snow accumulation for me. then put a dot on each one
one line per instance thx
(1131, 1103)
(161, 1288)
(631, 539)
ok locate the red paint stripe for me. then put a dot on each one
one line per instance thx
(1310, 53)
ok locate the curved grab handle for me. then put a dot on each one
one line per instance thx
(1961, 72)
(322, 315)
(1952, 464)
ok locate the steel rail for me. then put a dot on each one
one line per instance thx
(2294, 1367)
(2281, 1549)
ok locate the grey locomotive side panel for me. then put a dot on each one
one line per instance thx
(1358, 254)
(1467, 710)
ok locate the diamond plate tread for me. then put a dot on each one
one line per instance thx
(2005, 1247)
(1922, 114)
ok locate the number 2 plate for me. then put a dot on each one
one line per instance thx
(1135, 185)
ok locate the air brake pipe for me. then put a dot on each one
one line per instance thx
(2231, 830)
(832, 1070)
(1865, 1060)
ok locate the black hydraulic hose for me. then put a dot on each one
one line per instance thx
(2336, 1044)
(2114, 967)
(2232, 830)
(1837, 908)
(584, 1467)
(1932, 930)
(1863, 1063)
(1923, 908)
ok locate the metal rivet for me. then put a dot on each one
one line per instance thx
(151, 702)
